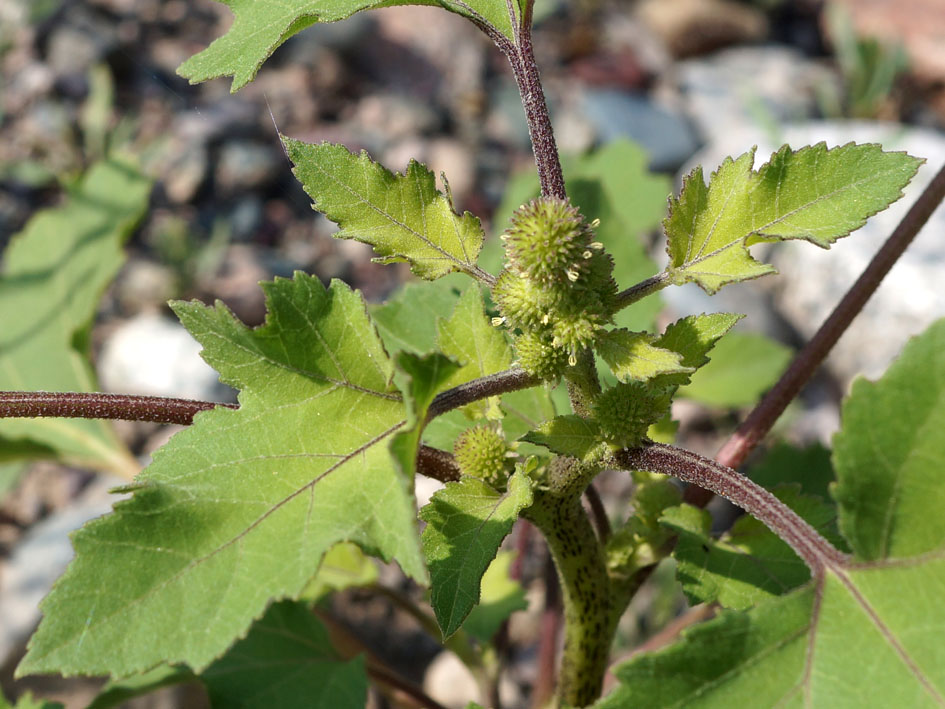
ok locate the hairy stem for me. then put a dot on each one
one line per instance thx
(95, 405)
(690, 467)
(641, 290)
(492, 385)
(522, 59)
(763, 417)
(437, 464)
(583, 383)
(588, 620)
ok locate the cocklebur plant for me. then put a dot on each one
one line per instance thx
(208, 570)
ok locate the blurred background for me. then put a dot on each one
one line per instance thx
(685, 81)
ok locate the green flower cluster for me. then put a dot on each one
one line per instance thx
(482, 452)
(557, 289)
(625, 411)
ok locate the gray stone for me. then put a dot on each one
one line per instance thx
(245, 165)
(154, 355)
(749, 88)
(665, 134)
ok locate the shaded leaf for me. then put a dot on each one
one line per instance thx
(809, 467)
(815, 194)
(743, 366)
(867, 632)
(54, 272)
(407, 321)
(240, 507)
(469, 337)
(403, 217)
(466, 523)
(286, 660)
(500, 596)
(750, 563)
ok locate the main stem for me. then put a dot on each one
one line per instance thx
(522, 58)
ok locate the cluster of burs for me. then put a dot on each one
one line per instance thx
(557, 291)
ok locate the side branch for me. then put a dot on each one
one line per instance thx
(764, 415)
(690, 467)
(95, 405)
(641, 290)
(492, 385)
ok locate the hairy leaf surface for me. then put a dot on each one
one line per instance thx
(53, 274)
(239, 508)
(403, 217)
(868, 632)
(287, 661)
(634, 356)
(466, 523)
(570, 435)
(262, 26)
(815, 194)
(469, 337)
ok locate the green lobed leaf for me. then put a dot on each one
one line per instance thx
(53, 275)
(815, 194)
(743, 366)
(239, 508)
(262, 26)
(407, 320)
(634, 356)
(403, 217)
(469, 337)
(570, 435)
(750, 563)
(868, 631)
(286, 661)
(693, 337)
(466, 523)
(500, 596)
(890, 456)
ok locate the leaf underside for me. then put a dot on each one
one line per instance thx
(814, 194)
(869, 632)
(239, 508)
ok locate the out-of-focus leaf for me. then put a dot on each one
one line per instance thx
(742, 367)
(286, 661)
(53, 274)
(499, 598)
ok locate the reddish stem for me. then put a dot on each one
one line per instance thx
(95, 405)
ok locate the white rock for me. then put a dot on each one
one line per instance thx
(153, 355)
